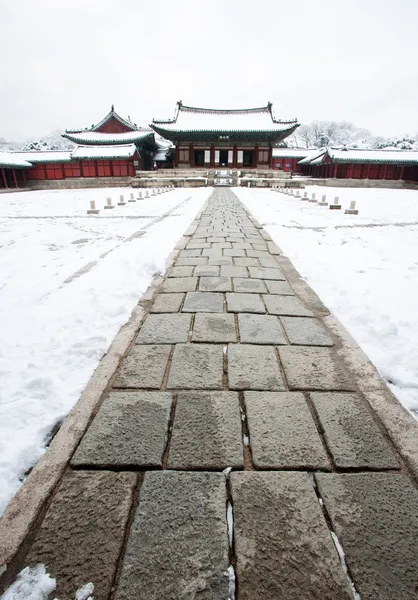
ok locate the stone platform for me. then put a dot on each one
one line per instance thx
(231, 369)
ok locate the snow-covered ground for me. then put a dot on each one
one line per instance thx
(68, 283)
(364, 268)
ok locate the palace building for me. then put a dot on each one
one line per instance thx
(115, 130)
(212, 138)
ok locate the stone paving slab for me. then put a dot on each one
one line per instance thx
(130, 430)
(352, 436)
(204, 302)
(214, 328)
(309, 368)
(206, 271)
(283, 545)
(206, 431)
(375, 516)
(178, 547)
(252, 286)
(81, 536)
(283, 434)
(215, 284)
(196, 366)
(279, 287)
(260, 329)
(253, 367)
(286, 306)
(179, 284)
(164, 329)
(183, 271)
(304, 331)
(167, 303)
(249, 303)
(143, 367)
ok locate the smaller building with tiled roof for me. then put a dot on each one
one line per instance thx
(114, 130)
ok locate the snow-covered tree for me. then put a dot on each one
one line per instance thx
(332, 133)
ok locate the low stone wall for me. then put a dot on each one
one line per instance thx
(79, 183)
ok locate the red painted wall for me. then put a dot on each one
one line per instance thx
(287, 164)
(83, 168)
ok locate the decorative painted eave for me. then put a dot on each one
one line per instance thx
(9, 160)
(104, 152)
(190, 119)
(97, 138)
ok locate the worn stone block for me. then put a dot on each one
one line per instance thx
(82, 533)
(215, 284)
(203, 302)
(305, 331)
(283, 546)
(260, 329)
(279, 287)
(180, 284)
(167, 303)
(286, 305)
(250, 303)
(193, 245)
(143, 367)
(199, 260)
(221, 245)
(375, 516)
(267, 273)
(352, 436)
(190, 253)
(164, 329)
(256, 253)
(253, 367)
(214, 328)
(283, 434)
(273, 248)
(234, 252)
(268, 261)
(206, 271)
(206, 431)
(183, 271)
(196, 366)
(130, 430)
(212, 252)
(246, 262)
(221, 260)
(314, 369)
(234, 272)
(178, 545)
(252, 286)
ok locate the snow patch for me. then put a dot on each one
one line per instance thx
(33, 583)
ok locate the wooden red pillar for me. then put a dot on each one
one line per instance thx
(367, 174)
(62, 170)
(176, 162)
(14, 178)
(212, 155)
(271, 157)
(191, 155)
(350, 171)
(24, 177)
(255, 161)
(235, 156)
(385, 171)
(402, 171)
(335, 170)
(4, 178)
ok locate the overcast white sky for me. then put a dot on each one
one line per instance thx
(64, 62)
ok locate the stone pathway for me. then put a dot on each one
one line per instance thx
(231, 369)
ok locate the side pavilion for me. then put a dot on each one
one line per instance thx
(212, 138)
(114, 130)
